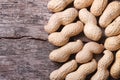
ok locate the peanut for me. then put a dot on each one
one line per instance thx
(109, 19)
(112, 43)
(98, 6)
(102, 71)
(61, 18)
(115, 69)
(110, 13)
(113, 29)
(83, 71)
(79, 4)
(91, 30)
(61, 38)
(86, 54)
(58, 5)
(62, 54)
(65, 69)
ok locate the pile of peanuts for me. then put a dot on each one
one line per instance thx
(108, 14)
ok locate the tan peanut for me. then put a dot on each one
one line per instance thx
(86, 54)
(58, 5)
(115, 69)
(61, 18)
(113, 29)
(61, 38)
(102, 71)
(98, 6)
(112, 43)
(83, 71)
(62, 54)
(110, 13)
(65, 69)
(91, 30)
(79, 4)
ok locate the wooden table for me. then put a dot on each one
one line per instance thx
(24, 48)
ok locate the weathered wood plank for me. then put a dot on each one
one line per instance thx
(19, 18)
(25, 59)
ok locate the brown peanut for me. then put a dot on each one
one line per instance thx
(110, 13)
(61, 18)
(102, 71)
(98, 6)
(86, 54)
(112, 43)
(65, 69)
(58, 5)
(61, 38)
(79, 4)
(113, 29)
(62, 54)
(83, 71)
(115, 69)
(91, 30)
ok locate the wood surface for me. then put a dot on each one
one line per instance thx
(24, 48)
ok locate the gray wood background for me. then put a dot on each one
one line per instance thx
(24, 48)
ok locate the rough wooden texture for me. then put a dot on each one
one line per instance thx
(24, 48)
